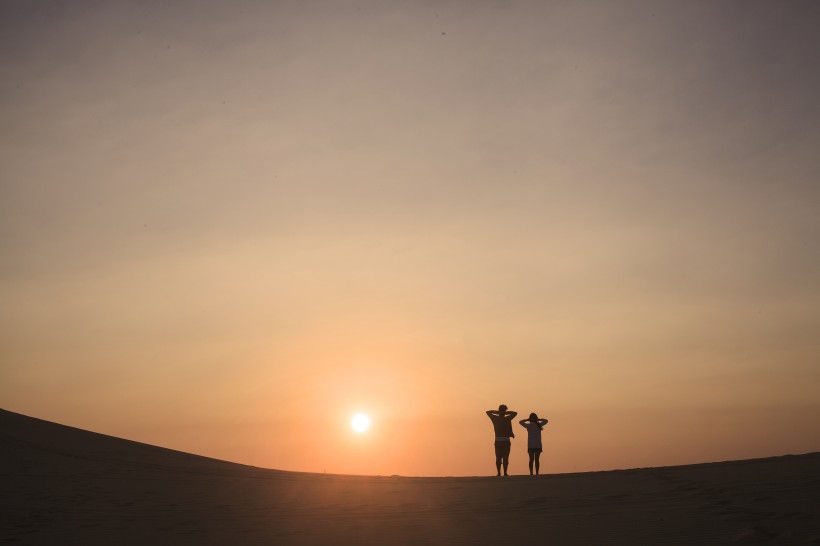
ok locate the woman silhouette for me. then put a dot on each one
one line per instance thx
(534, 426)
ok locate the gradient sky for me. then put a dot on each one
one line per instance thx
(225, 227)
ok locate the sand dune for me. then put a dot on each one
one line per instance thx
(63, 485)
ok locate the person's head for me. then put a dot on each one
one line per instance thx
(502, 409)
(533, 417)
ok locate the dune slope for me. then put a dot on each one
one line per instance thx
(63, 485)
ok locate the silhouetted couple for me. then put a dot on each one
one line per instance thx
(502, 423)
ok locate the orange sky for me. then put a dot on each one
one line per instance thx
(227, 228)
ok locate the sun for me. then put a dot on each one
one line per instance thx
(360, 422)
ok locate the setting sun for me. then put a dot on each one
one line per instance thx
(360, 422)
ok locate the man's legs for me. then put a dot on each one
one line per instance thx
(506, 456)
(498, 458)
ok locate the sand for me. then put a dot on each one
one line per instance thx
(62, 485)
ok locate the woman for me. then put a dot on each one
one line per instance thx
(534, 426)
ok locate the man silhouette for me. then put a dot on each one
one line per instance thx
(502, 424)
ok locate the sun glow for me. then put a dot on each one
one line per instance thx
(360, 422)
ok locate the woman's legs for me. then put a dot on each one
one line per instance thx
(531, 458)
(537, 462)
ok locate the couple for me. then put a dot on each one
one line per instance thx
(502, 423)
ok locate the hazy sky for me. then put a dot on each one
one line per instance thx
(227, 226)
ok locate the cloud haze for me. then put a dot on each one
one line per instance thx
(224, 224)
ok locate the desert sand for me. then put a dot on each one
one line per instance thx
(62, 485)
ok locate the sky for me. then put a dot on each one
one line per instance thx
(226, 227)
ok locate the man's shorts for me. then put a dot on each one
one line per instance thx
(502, 449)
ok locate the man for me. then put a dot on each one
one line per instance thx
(502, 423)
